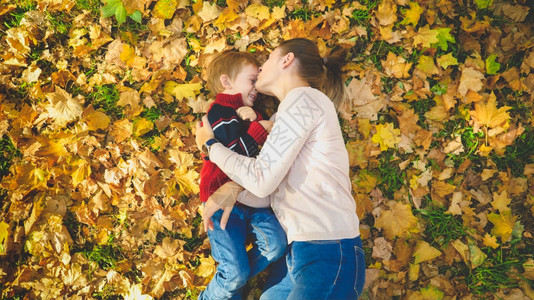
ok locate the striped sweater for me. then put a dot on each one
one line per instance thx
(240, 136)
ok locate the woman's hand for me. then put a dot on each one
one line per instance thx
(223, 198)
(246, 113)
(204, 132)
(268, 125)
(212, 207)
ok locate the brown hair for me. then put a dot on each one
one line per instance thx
(311, 67)
(230, 63)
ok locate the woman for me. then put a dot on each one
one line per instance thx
(303, 167)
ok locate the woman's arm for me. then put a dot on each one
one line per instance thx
(263, 174)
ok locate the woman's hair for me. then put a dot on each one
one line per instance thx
(229, 62)
(311, 67)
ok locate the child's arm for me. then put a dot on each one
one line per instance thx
(231, 131)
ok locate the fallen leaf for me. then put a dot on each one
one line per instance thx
(398, 221)
(503, 224)
(424, 252)
(62, 107)
(386, 136)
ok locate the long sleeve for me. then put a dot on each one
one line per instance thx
(261, 175)
(233, 133)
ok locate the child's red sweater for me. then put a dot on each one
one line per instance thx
(239, 136)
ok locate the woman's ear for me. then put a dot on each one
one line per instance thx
(225, 81)
(288, 59)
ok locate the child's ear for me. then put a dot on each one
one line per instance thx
(225, 81)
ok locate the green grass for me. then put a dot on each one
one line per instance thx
(106, 256)
(497, 271)
(18, 13)
(59, 22)
(442, 227)
(105, 97)
(362, 16)
(391, 179)
(274, 3)
(90, 5)
(517, 155)
(421, 107)
(8, 152)
(303, 13)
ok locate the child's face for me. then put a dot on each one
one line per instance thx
(244, 83)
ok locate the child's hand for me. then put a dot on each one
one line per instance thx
(268, 125)
(246, 113)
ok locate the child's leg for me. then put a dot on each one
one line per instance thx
(270, 240)
(228, 249)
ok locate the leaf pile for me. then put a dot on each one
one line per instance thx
(99, 171)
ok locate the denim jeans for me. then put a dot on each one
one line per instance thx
(236, 265)
(332, 269)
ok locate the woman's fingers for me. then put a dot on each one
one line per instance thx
(209, 209)
(225, 216)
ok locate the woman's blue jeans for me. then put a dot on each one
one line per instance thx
(332, 269)
(228, 248)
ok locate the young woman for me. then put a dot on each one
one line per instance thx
(303, 167)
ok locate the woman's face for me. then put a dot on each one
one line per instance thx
(268, 73)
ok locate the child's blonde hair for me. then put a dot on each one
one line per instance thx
(230, 63)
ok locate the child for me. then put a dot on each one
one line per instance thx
(232, 76)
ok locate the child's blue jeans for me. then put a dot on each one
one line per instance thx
(333, 269)
(228, 248)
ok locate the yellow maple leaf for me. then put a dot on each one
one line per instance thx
(187, 180)
(258, 11)
(490, 241)
(142, 126)
(396, 66)
(398, 221)
(199, 105)
(365, 180)
(447, 60)
(426, 36)
(129, 57)
(209, 11)
(62, 107)
(206, 268)
(443, 188)
(426, 64)
(386, 12)
(501, 201)
(489, 115)
(387, 136)
(165, 9)
(227, 16)
(423, 252)
(413, 14)
(82, 171)
(503, 224)
(184, 90)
